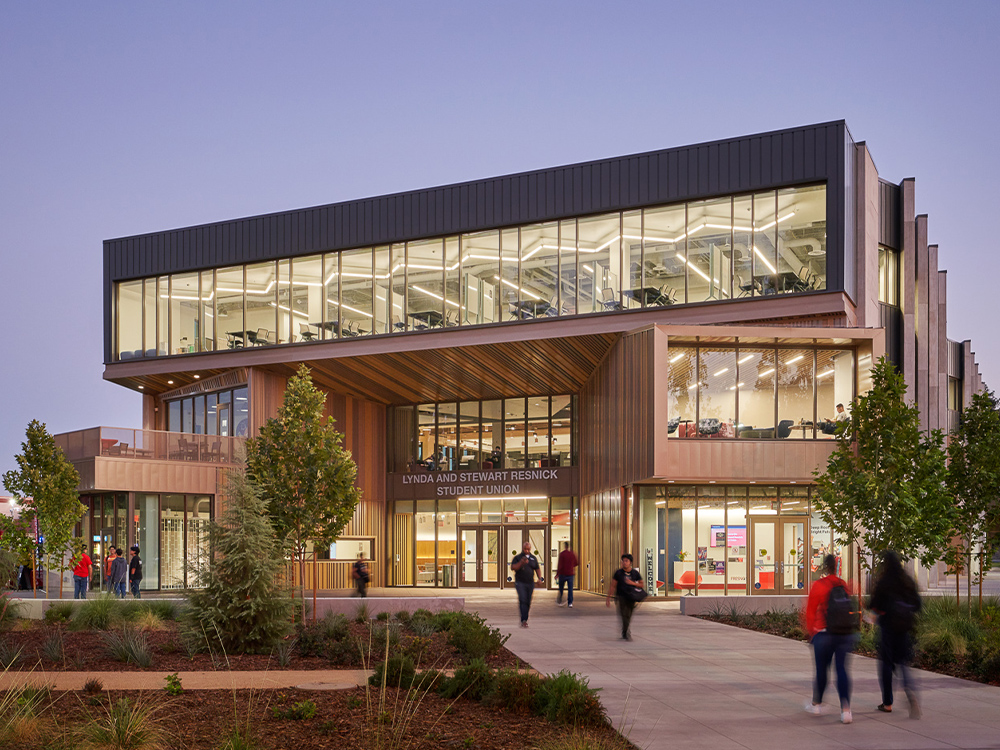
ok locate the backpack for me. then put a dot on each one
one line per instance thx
(901, 617)
(841, 616)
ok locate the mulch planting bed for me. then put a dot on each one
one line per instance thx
(952, 669)
(85, 652)
(343, 719)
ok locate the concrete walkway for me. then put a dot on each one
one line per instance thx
(306, 679)
(686, 683)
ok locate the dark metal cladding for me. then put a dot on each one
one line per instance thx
(889, 213)
(810, 154)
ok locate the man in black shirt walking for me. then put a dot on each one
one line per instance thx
(525, 567)
(134, 571)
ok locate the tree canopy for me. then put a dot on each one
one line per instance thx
(974, 481)
(45, 487)
(305, 475)
(885, 484)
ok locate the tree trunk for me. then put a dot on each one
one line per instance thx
(34, 571)
(315, 581)
(958, 590)
(980, 581)
(62, 561)
(968, 584)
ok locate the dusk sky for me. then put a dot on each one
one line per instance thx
(125, 118)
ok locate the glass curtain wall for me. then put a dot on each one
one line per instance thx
(757, 392)
(697, 538)
(772, 242)
(532, 432)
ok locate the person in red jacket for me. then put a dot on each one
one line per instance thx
(566, 568)
(828, 646)
(81, 573)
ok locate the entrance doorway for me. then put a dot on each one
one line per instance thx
(778, 559)
(516, 536)
(480, 548)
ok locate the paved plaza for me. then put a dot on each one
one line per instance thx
(684, 683)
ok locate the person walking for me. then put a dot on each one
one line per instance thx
(119, 572)
(623, 582)
(108, 561)
(360, 575)
(832, 634)
(566, 570)
(525, 567)
(134, 571)
(81, 573)
(896, 602)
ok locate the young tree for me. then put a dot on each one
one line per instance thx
(45, 487)
(884, 485)
(305, 475)
(974, 483)
(241, 602)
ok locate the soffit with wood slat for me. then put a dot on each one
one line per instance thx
(487, 371)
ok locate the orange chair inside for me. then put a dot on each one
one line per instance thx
(687, 581)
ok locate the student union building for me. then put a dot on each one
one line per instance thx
(643, 354)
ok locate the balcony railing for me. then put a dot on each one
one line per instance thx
(123, 442)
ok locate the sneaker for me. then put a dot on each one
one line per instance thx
(571, 606)
(562, 604)
(914, 709)
(814, 708)
(524, 624)
(845, 716)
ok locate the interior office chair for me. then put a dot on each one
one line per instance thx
(306, 333)
(785, 428)
(261, 338)
(610, 300)
(397, 324)
(272, 337)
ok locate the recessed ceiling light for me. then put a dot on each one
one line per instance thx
(197, 376)
(170, 382)
(141, 387)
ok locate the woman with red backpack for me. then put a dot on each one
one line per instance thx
(831, 625)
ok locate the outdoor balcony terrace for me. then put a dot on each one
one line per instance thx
(155, 445)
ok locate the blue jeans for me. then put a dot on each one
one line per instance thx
(134, 585)
(119, 589)
(79, 587)
(895, 650)
(566, 580)
(828, 647)
(524, 592)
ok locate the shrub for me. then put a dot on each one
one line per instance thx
(398, 671)
(403, 616)
(103, 612)
(296, 712)
(361, 613)
(382, 617)
(416, 646)
(284, 651)
(569, 699)
(445, 620)
(59, 612)
(514, 691)
(131, 647)
(10, 611)
(346, 653)
(318, 638)
(93, 686)
(335, 626)
(383, 635)
(474, 680)
(173, 686)
(10, 656)
(52, 647)
(430, 679)
(126, 725)
(472, 637)
(162, 608)
(423, 627)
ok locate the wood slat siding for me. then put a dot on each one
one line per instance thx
(811, 154)
(740, 461)
(616, 416)
(332, 575)
(601, 530)
(139, 475)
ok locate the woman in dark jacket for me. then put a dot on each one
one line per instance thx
(897, 603)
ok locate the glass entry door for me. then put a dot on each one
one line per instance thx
(480, 556)
(515, 538)
(778, 547)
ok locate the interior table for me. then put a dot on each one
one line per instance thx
(429, 318)
(647, 296)
(531, 308)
